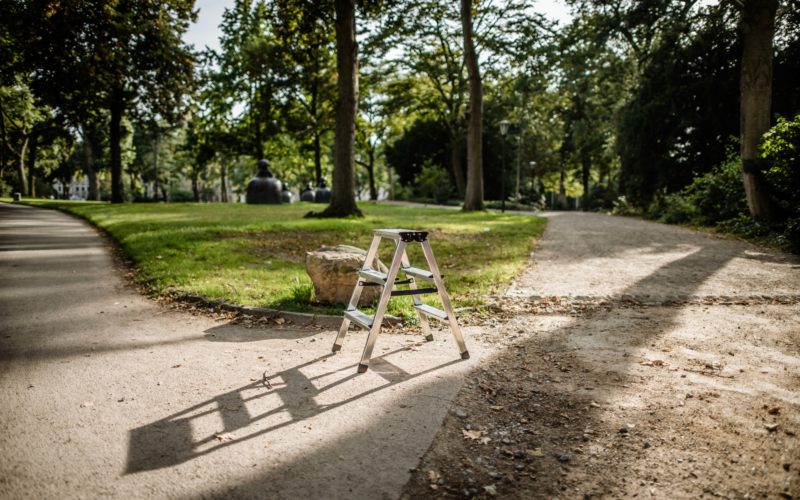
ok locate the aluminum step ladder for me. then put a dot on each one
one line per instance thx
(368, 276)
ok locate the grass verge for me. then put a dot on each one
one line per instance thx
(255, 254)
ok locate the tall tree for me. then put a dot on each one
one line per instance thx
(343, 197)
(19, 115)
(432, 53)
(128, 56)
(757, 30)
(307, 41)
(473, 199)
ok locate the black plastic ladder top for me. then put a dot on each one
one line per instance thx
(409, 236)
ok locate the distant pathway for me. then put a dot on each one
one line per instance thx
(587, 255)
(107, 394)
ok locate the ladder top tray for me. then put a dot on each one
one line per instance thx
(406, 235)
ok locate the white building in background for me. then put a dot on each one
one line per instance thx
(78, 189)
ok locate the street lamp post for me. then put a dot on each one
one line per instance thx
(503, 131)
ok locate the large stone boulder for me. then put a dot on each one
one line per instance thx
(333, 270)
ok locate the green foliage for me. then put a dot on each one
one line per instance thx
(711, 198)
(781, 148)
(434, 183)
(255, 254)
(5, 189)
(621, 206)
(424, 142)
(670, 128)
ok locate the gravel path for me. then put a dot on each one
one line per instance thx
(633, 360)
(106, 394)
(597, 256)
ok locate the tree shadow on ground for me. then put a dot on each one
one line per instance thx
(574, 420)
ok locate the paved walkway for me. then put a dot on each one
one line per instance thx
(106, 394)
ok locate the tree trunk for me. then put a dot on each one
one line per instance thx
(373, 191)
(343, 197)
(131, 181)
(562, 189)
(317, 139)
(317, 158)
(258, 148)
(757, 26)
(89, 163)
(156, 180)
(473, 199)
(195, 187)
(34, 146)
(586, 166)
(115, 140)
(4, 145)
(223, 178)
(457, 160)
(22, 175)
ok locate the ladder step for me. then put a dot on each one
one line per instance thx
(359, 318)
(373, 276)
(406, 235)
(431, 311)
(418, 273)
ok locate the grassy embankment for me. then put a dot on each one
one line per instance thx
(255, 255)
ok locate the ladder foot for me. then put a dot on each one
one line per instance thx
(362, 367)
(429, 338)
(336, 348)
(465, 355)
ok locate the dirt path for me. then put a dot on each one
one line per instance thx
(635, 360)
(107, 394)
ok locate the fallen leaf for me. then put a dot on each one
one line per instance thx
(224, 436)
(535, 452)
(177, 366)
(496, 408)
(473, 435)
(280, 320)
(433, 476)
(771, 427)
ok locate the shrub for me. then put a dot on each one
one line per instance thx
(621, 206)
(179, 195)
(434, 182)
(711, 198)
(781, 148)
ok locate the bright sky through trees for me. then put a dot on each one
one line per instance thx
(205, 32)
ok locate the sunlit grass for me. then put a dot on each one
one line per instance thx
(255, 254)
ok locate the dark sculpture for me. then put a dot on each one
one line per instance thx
(307, 194)
(286, 195)
(322, 193)
(264, 188)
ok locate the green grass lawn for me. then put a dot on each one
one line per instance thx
(255, 254)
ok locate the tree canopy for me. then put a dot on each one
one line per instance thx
(633, 99)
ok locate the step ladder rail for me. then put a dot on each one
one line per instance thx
(356, 295)
(383, 302)
(448, 307)
(423, 320)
